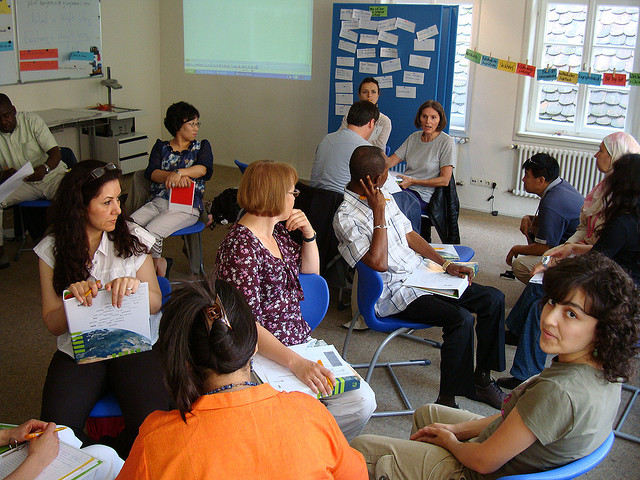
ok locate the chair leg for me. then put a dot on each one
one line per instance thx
(201, 253)
(348, 337)
(23, 237)
(426, 341)
(635, 392)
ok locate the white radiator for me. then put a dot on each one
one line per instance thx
(576, 167)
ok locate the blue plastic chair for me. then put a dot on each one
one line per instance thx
(241, 166)
(42, 203)
(316, 298)
(571, 470)
(465, 253)
(107, 405)
(195, 229)
(369, 291)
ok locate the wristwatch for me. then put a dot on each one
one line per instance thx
(47, 168)
(546, 261)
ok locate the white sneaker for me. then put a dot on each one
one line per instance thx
(360, 324)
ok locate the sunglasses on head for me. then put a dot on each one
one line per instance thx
(98, 172)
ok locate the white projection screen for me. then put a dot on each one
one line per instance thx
(255, 38)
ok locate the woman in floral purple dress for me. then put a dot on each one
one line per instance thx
(261, 259)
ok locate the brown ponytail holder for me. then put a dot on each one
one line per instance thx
(217, 312)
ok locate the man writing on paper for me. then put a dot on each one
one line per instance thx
(24, 138)
(371, 229)
(557, 218)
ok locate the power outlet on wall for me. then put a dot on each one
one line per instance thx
(477, 181)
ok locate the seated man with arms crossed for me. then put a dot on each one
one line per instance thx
(371, 229)
(24, 137)
(556, 220)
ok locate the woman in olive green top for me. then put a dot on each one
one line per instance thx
(591, 321)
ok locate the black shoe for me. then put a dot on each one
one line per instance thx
(447, 404)
(169, 265)
(4, 262)
(491, 395)
(509, 382)
(511, 338)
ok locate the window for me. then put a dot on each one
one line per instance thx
(583, 35)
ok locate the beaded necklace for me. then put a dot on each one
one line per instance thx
(230, 386)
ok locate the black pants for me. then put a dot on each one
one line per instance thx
(71, 391)
(454, 316)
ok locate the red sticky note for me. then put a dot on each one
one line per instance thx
(181, 198)
(38, 54)
(524, 69)
(40, 65)
(619, 79)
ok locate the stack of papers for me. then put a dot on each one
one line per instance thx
(429, 276)
(284, 380)
(71, 463)
(448, 252)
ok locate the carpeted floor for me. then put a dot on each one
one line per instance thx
(26, 346)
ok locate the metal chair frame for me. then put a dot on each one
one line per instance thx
(635, 391)
(195, 229)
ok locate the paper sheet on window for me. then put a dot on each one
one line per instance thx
(12, 183)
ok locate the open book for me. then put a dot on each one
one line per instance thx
(71, 463)
(102, 331)
(429, 276)
(284, 380)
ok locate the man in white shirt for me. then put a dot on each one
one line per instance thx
(25, 138)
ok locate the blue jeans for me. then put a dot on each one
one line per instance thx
(409, 205)
(524, 321)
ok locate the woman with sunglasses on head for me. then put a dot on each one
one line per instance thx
(590, 322)
(369, 90)
(178, 162)
(261, 259)
(226, 426)
(93, 246)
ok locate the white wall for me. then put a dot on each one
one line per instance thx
(131, 47)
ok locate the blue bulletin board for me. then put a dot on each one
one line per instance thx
(409, 49)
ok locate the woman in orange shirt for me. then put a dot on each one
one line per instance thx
(227, 426)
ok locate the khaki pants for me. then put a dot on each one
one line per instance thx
(31, 191)
(522, 266)
(396, 459)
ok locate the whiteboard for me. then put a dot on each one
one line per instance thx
(56, 39)
(8, 59)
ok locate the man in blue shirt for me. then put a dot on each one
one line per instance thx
(557, 218)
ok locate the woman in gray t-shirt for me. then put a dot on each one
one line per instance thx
(429, 153)
(591, 321)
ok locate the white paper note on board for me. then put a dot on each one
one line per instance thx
(344, 74)
(405, 92)
(369, 67)
(388, 52)
(389, 66)
(428, 45)
(405, 25)
(349, 35)
(344, 98)
(350, 25)
(386, 25)
(366, 53)
(347, 46)
(342, 110)
(346, 13)
(370, 39)
(368, 24)
(344, 87)
(385, 82)
(362, 14)
(413, 77)
(432, 31)
(419, 61)
(388, 37)
(345, 61)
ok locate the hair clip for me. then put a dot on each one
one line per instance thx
(217, 312)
